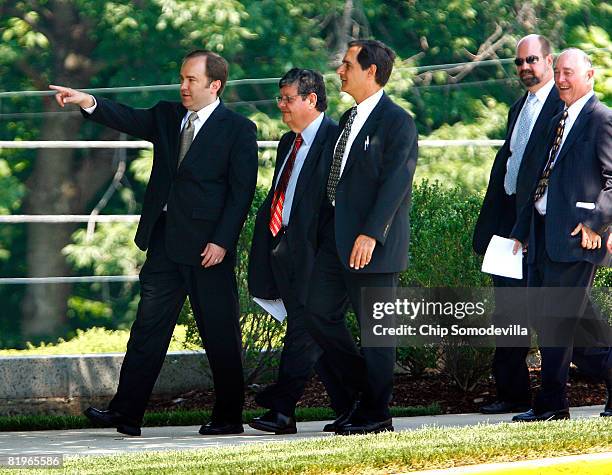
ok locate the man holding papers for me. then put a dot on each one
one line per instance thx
(285, 238)
(514, 169)
(566, 223)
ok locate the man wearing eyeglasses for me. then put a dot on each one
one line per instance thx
(285, 239)
(515, 166)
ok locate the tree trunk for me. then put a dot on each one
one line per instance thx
(63, 181)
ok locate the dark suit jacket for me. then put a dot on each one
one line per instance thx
(301, 233)
(374, 192)
(582, 173)
(209, 195)
(492, 220)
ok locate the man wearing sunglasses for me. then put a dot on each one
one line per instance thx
(514, 169)
(285, 239)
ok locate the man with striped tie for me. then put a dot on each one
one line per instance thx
(364, 234)
(566, 224)
(285, 239)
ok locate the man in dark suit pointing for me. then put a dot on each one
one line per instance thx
(364, 223)
(514, 168)
(199, 193)
(285, 238)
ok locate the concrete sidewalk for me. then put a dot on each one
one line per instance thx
(108, 441)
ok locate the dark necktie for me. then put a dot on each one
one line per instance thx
(554, 149)
(186, 137)
(334, 173)
(276, 210)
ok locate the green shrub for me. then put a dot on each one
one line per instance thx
(441, 255)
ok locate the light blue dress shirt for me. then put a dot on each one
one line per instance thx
(308, 136)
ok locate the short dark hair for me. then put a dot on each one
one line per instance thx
(377, 53)
(307, 81)
(216, 65)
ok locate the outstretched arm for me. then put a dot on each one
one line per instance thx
(66, 95)
(136, 122)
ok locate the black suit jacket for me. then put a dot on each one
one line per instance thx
(301, 234)
(210, 194)
(492, 220)
(374, 193)
(582, 174)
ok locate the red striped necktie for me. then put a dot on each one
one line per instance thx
(276, 210)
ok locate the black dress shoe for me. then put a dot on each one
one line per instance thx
(532, 416)
(114, 419)
(221, 428)
(356, 426)
(342, 418)
(274, 421)
(501, 407)
(607, 412)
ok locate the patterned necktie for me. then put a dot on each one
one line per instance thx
(543, 183)
(276, 210)
(186, 137)
(523, 128)
(334, 173)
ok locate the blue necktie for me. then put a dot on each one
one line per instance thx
(523, 128)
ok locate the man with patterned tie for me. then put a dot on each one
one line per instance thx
(565, 225)
(364, 234)
(285, 239)
(198, 196)
(515, 166)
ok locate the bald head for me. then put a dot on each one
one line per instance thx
(573, 75)
(533, 62)
(533, 38)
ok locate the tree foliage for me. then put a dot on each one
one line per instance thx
(96, 43)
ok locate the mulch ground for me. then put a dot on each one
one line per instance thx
(408, 391)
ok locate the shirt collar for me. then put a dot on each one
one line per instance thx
(576, 107)
(544, 91)
(309, 133)
(205, 112)
(367, 105)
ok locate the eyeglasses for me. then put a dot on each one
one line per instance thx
(529, 60)
(288, 99)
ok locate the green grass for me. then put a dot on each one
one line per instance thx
(423, 449)
(93, 340)
(184, 418)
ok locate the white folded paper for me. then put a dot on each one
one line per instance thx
(499, 260)
(276, 308)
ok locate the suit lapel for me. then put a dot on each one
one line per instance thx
(311, 161)
(281, 154)
(174, 134)
(368, 129)
(514, 113)
(581, 122)
(210, 131)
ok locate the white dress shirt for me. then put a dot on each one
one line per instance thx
(572, 114)
(364, 109)
(308, 136)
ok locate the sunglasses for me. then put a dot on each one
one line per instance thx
(529, 60)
